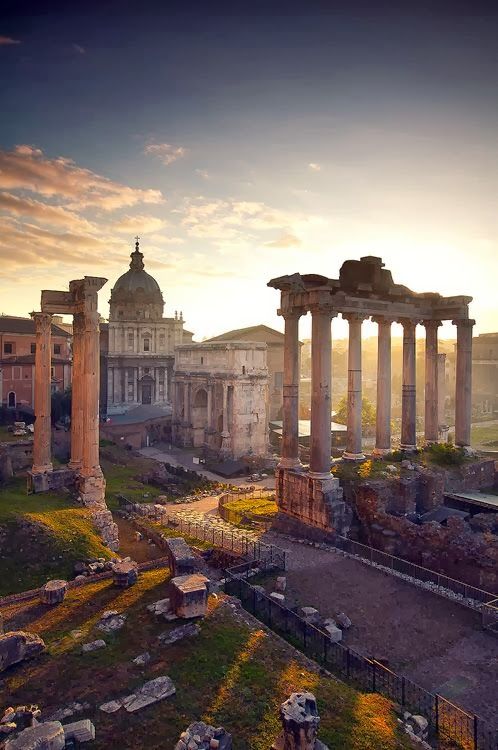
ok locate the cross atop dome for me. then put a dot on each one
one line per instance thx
(137, 263)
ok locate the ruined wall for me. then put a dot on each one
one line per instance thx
(315, 502)
(454, 550)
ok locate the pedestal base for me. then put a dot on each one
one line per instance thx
(353, 456)
(290, 463)
(381, 451)
(408, 448)
(92, 495)
(42, 469)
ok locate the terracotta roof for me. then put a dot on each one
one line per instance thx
(232, 335)
(10, 324)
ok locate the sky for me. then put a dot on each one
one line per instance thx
(244, 141)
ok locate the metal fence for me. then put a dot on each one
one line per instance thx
(425, 575)
(232, 541)
(446, 720)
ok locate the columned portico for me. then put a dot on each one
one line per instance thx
(321, 376)
(383, 410)
(42, 463)
(408, 400)
(431, 381)
(290, 437)
(463, 395)
(353, 440)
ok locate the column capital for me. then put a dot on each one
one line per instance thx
(431, 323)
(464, 322)
(355, 317)
(408, 323)
(323, 309)
(383, 320)
(292, 314)
(43, 321)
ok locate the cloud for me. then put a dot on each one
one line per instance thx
(138, 224)
(26, 168)
(78, 48)
(203, 173)
(314, 167)
(285, 240)
(45, 213)
(6, 40)
(229, 219)
(165, 152)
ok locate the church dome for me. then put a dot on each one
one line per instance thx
(136, 287)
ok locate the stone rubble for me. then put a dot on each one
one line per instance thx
(111, 621)
(46, 736)
(188, 595)
(201, 736)
(310, 614)
(79, 731)
(162, 608)
(300, 722)
(53, 592)
(142, 659)
(17, 646)
(72, 708)
(93, 646)
(125, 574)
(281, 584)
(343, 621)
(184, 631)
(280, 598)
(334, 633)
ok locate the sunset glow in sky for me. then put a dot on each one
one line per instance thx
(246, 144)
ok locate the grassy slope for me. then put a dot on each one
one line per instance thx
(44, 535)
(482, 435)
(222, 676)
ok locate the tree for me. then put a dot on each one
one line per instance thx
(367, 412)
(61, 405)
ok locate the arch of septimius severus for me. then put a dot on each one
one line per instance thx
(84, 466)
(364, 290)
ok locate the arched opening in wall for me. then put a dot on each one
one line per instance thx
(11, 400)
(199, 416)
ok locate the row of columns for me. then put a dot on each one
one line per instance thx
(85, 395)
(321, 343)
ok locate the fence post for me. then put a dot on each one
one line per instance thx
(476, 732)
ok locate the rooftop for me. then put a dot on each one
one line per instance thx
(13, 324)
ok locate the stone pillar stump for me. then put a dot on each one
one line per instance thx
(53, 592)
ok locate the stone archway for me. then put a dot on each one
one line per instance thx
(199, 417)
(11, 400)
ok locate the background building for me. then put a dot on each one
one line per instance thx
(485, 375)
(17, 361)
(138, 343)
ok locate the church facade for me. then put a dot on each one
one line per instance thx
(138, 343)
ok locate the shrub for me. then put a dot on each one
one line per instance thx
(445, 454)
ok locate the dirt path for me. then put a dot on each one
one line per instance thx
(140, 551)
(432, 641)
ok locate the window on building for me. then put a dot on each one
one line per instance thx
(16, 373)
(162, 339)
(131, 341)
(120, 313)
(8, 347)
(57, 348)
(279, 381)
(33, 348)
(202, 360)
(146, 370)
(147, 314)
(161, 376)
(52, 372)
(243, 369)
(146, 345)
(130, 376)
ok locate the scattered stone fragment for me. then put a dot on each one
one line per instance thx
(46, 736)
(184, 631)
(334, 633)
(280, 598)
(181, 558)
(150, 692)
(111, 621)
(300, 722)
(281, 584)
(419, 724)
(93, 646)
(64, 713)
(343, 621)
(125, 574)
(18, 646)
(53, 592)
(110, 707)
(201, 736)
(161, 607)
(310, 614)
(79, 731)
(142, 659)
(260, 589)
(188, 595)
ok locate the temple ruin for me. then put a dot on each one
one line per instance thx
(365, 289)
(83, 469)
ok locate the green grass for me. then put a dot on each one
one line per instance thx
(9, 437)
(222, 676)
(484, 436)
(168, 532)
(44, 535)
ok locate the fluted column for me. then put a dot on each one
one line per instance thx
(290, 414)
(383, 407)
(321, 376)
(408, 402)
(431, 389)
(210, 406)
(42, 463)
(90, 466)
(77, 393)
(225, 435)
(463, 394)
(353, 437)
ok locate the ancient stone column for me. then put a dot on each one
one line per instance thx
(431, 390)
(383, 410)
(225, 434)
(463, 394)
(408, 402)
(441, 398)
(290, 414)
(210, 406)
(93, 484)
(321, 376)
(185, 403)
(77, 393)
(353, 438)
(42, 463)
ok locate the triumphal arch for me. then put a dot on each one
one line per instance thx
(364, 289)
(84, 468)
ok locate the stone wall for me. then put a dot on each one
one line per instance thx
(21, 454)
(316, 502)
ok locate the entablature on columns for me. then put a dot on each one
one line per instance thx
(81, 297)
